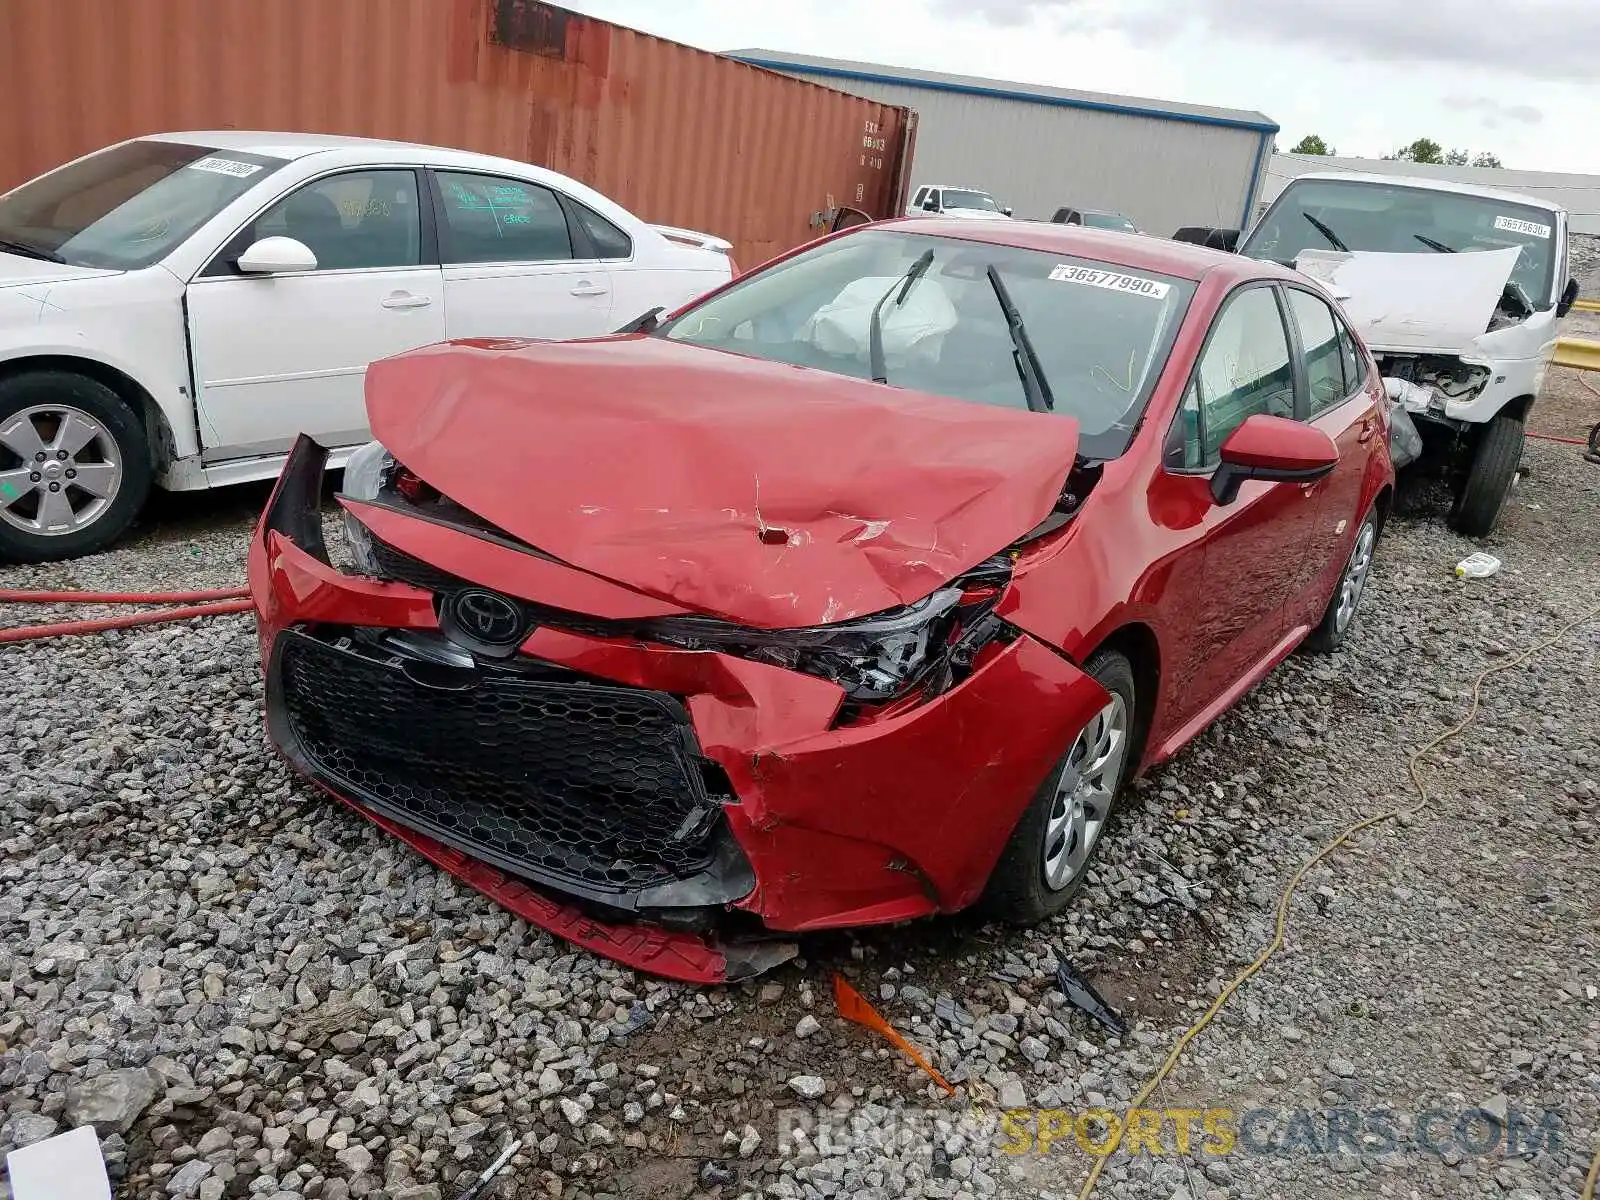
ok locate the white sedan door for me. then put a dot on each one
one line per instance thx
(280, 355)
(513, 265)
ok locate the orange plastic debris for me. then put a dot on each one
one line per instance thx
(853, 1006)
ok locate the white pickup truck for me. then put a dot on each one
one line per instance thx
(1456, 289)
(963, 203)
(175, 309)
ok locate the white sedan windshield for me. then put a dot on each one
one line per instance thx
(1102, 332)
(127, 206)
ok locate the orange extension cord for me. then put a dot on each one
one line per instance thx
(214, 602)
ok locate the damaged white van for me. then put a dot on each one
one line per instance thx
(1456, 289)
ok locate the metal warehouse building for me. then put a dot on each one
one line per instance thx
(1037, 149)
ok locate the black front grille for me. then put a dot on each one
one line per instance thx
(398, 565)
(593, 788)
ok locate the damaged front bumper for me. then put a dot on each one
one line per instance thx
(669, 808)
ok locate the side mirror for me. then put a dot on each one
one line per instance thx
(1007, 211)
(1275, 449)
(277, 256)
(930, 204)
(1569, 297)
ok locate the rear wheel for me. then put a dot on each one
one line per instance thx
(1339, 617)
(1045, 862)
(1494, 469)
(74, 471)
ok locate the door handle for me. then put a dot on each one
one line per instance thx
(586, 288)
(406, 300)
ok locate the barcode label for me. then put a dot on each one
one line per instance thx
(1113, 281)
(225, 166)
(1515, 225)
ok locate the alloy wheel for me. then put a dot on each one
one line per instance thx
(1085, 790)
(1355, 577)
(60, 469)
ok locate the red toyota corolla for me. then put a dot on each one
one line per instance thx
(849, 594)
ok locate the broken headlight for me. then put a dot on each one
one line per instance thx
(365, 473)
(872, 658)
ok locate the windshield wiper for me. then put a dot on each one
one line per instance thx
(1333, 238)
(1034, 385)
(30, 251)
(1432, 244)
(880, 370)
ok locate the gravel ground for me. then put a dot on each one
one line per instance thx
(251, 992)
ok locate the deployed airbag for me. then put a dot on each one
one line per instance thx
(911, 331)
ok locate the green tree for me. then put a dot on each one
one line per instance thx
(1423, 150)
(1488, 160)
(1457, 158)
(1312, 144)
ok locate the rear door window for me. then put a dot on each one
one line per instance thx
(492, 219)
(1319, 341)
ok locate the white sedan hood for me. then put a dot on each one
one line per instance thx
(17, 270)
(1429, 303)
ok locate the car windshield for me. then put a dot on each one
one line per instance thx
(1102, 332)
(1327, 214)
(1100, 220)
(959, 198)
(127, 206)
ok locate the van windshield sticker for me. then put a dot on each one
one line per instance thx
(225, 166)
(1134, 285)
(1514, 225)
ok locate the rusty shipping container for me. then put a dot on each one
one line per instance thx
(680, 136)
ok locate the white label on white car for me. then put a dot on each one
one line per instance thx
(1114, 281)
(225, 166)
(1514, 225)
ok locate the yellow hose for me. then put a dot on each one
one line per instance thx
(1284, 901)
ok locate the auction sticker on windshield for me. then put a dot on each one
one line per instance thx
(1136, 285)
(1513, 225)
(225, 166)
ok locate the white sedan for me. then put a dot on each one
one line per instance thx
(175, 309)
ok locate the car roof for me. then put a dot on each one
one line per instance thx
(302, 145)
(1140, 251)
(957, 187)
(1427, 184)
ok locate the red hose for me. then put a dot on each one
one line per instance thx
(30, 633)
(219, 601)
(11, 597)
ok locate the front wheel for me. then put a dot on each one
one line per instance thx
(1045, 862)
(1489, 479)
(74, 471)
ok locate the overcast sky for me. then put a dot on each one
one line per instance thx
(1520, 79)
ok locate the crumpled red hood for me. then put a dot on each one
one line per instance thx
(769, 495)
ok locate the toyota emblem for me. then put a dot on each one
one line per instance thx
(487, 618)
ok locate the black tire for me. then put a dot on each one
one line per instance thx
(1336, 624)
(119, 423)
(1494, 469)
(1017, 891)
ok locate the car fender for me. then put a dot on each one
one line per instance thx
(131, 323)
